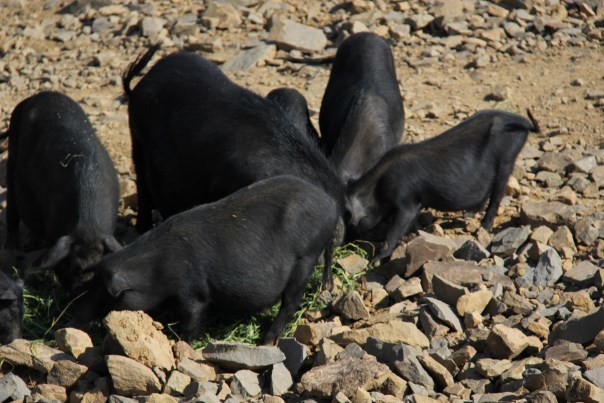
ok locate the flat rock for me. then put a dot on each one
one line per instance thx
(73, 341)
(464, 273)
(33, 355)
(507, 241)
(12, 388)
(140, 338)
(346, 376)
(131, 377)
(351, 306)
(491, 368)
(582, 274)
(395, 331)
(566, 351)
(506, 342)
(246, 384)
(562, 238)
(353, 264)
(234, 356)
(554, 213)
(290, 35)
(444, 312)
(313, 333)
(248, 58)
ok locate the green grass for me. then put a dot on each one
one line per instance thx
(47, 308)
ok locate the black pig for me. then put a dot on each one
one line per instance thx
(61, 183)
(11, 308)
(457, 170)
(362, 114)
(294, 104)
(198, 137)
(241, 253)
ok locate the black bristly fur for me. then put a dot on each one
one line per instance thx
(243, 253)
(362, 114)
(457, 170)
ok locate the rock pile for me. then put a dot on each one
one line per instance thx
(457, 315)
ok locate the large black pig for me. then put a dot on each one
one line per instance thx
(11, 308)
(362, 114)
(61, 183)
(457, 170)
(242, 253)
(294, 104)
(198, 137)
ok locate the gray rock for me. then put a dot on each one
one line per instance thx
(582, 274)
(464, 273)
(234, 356)
(12, 388)
(579, 330)
(353, 264)
(121, 399)
(587, 230)
(353, 351)
(426, 248)
(152, 25)
(446, 290)
(472, 250)
(102, 25)
(295, 354)
(513, 29)
(549, 269)
(430, 325)
(351, 306)
(537, 213)
(596, 376)
(566, 351)
(246, 384)
(39, 356)
(389, 352)
(281, 379)
(291, 35)
(412, 371)
(444, 313)
(419, 20)
(507, 241)
(585, 164)
(221, 15)
(542, 396)
(198, 389)
(246, 59)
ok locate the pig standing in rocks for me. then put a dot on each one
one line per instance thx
(11, 308)
(198, 137)
(295, 105)
(61, 183)
(457, 170)
(362, 114)
(242, 253)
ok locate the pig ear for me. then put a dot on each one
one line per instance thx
(117, 285)
(57, 252)
(111, 244)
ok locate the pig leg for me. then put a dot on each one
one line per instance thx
(497, 192)
(290, 299)
(193, 313)
(12, 211)
(144, 218)
(327, 282)
(404, 217)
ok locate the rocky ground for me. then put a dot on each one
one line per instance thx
(458, 314)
